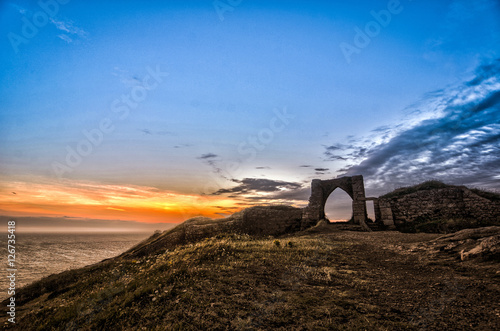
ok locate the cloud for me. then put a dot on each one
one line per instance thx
(259, 185)
(460, 145)
(66, 38)
(332, 152)
(484, 72)
(44, 197)
(262, 167)
(69, 28)
(151, 132)
(19, 9)
(208, 156)
(126, 78)
(182, 145)
(321, 171)
(213, 160)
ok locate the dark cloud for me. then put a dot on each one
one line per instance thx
(306, 166)
(335, 147)
(461, 146)
(258, 185)
(321, 169)
(208, 156)
(333, 152)
(331, 157)
(211, 160)
(151, 132)
(384, 128)
(182, 145)
(485, 71)
(262, 167)
(299, 194)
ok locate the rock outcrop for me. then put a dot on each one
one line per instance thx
(482, 244)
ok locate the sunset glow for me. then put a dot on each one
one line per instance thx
(92, 200)
(157, 111)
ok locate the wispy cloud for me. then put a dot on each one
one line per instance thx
(150, 132)
(69, 29)
(66, 38)
(213, 160)
(459, 144)
(182, 145)
(321, 171)
(208, 156)
(21, 10)
(332, 152)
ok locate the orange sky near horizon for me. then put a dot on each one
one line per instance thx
(84, 199)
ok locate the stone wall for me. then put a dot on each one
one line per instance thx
(269, 220)
(435, 204)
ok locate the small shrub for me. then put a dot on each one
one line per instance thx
(277, 243)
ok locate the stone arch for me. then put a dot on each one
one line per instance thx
(321, 190)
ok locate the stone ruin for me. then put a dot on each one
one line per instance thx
(447, 202)
(391, 211)
(321, 190)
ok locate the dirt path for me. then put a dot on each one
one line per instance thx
(431, 291)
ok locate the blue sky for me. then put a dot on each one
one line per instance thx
(249, 100)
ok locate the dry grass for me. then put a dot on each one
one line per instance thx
(329, 281)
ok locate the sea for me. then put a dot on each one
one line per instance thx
(38, 255)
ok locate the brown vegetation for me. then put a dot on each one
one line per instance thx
(322, 278)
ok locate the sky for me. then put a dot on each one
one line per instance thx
(159, 111)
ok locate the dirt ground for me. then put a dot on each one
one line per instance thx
(433, 290)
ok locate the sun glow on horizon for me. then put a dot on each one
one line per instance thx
(72, 198)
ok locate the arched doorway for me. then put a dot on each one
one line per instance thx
(338, 206)
(320, 192)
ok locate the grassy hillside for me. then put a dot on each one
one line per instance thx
(428, 185)
(322, 279)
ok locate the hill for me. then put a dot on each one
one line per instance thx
(320, 278)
